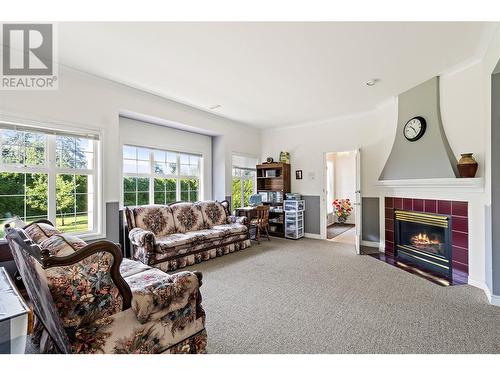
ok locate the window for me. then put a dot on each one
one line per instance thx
(48, 175)
(243, 184)
(153, 176)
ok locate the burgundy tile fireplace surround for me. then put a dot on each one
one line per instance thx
(457, 210)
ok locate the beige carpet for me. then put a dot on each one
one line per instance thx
(311, 296)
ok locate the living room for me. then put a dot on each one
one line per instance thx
(175, 194)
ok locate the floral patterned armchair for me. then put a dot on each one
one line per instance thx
(87, 299)
(182, 234)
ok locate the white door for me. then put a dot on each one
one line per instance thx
(357, 202)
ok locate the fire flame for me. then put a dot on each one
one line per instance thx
(423, 239)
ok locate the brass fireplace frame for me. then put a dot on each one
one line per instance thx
(426, 260)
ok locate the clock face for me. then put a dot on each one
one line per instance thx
(414, 129)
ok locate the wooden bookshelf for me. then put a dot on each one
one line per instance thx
(274, 178)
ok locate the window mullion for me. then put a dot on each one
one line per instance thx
(151, 177)
(178, 180)
(242, 187)
(51, 161)
(24, 198)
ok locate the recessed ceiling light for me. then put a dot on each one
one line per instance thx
(215, 106)
(372, 82)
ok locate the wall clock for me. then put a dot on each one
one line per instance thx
(414, 129)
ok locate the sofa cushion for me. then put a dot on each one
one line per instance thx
(203, 235)
(63, 244)
(155, 218)
(39, 232)
(130, 267)
(234, 228)
(154, 291)
(213, 213)
(184, 240)
(172, 241)
(187, 217)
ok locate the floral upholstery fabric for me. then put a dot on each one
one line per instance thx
(141, 236)
(203, 235)
(198, 237)
(155, 218)
(187, 217)
(229, 229)
(82, 309)
(63, 244)
(131, 267)
(196, 344)
(84, 292)
(39, 232)
(156, 293)
(165, 249)
(179, 240)
(124, 334)
(168, 264)
(213, 213)
(144, 241)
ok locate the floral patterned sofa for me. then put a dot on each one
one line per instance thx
(87, 299)
(182, 234)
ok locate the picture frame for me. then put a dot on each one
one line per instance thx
(298, 174)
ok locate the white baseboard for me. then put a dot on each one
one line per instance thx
(313, 235)
(494, 299)
(379, 245)
(479, 284)
(370, 244)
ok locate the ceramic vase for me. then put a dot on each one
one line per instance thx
(467, 166)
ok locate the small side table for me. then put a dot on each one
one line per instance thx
(15, 316)
(249, 213)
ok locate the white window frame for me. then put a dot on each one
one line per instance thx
(242, 188)
(50, 168)
(152, 174)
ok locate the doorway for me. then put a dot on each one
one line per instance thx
(341, 192)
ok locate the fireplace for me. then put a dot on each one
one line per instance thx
(424, 239)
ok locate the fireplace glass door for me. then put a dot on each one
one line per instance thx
(423, 237)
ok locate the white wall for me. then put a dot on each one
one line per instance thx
(138, 133)
(96, 103)
(372, 131)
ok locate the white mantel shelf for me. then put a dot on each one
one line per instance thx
(475, 185)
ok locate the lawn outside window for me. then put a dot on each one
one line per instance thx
(46, 174)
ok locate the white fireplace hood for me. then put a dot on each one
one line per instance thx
(430, 157)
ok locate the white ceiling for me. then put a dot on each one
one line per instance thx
(270, 74)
